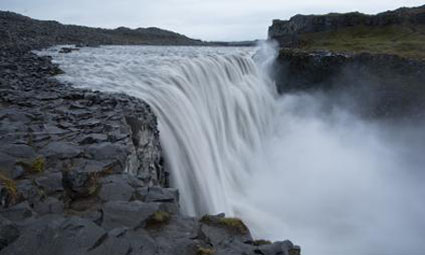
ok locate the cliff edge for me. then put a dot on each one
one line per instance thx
(373, 65)
(81, 172)
(399, 32)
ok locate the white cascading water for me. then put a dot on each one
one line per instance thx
(214, 107)
(329, 181)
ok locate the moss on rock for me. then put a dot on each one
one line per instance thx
(159, 218)
(205, 251)
(233, 224)
(38, 165)
(398, 40)
(261, 242)
(10, 187)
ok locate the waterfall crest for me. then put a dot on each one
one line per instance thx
(212, 114)
(213, 109)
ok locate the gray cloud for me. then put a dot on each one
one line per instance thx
(204, 19)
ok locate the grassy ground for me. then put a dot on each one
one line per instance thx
(405, 41)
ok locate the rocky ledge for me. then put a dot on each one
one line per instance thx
(372, 85)
(291, 33)
(81, 173)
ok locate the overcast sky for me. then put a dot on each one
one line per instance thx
(202, 19)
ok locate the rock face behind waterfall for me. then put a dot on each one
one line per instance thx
(81, 172)
(374, 65)
(374, 86)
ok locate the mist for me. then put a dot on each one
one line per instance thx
(337, 183)
(310, 167)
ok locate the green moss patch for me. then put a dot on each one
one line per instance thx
(38, 165)
(205, 251)
(402, 40)
(10, 186)
(35, 166)
(159, 218)
(261, 242)
(233, 224)
(294, 251)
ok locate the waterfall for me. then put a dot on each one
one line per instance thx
(293, 166)
(213, 108)
(213, 113)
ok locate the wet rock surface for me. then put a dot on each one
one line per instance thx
(377, 86)
(81, 173)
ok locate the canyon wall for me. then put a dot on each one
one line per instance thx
(372, 64)
(287, 32)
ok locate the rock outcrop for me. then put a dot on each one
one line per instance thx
(374, 86)
(372, 64)
(287, 32)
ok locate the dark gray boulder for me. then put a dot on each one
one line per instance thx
(18, 213)
(141, 242)
(82, 178)
(9, 168)
(127, 214)
(80, 183)
(53, 234)
(8, 232)
(116, 188)
(113, 243)
(61, 150)
(106, 150)
(28, 191)
(92, 138)
(67, 50)
(169, 197)
(21, 151)
(49, 205)
(50, 183)
(158, 194)
(218, 230)
(284, 248)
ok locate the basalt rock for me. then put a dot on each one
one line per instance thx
(67, 50)
(8, 232)
(287, 32)
(372, 85)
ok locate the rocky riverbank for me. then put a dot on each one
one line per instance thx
(81, 172)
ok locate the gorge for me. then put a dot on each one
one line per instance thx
(133, 149)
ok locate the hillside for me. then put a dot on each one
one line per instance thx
(25, 32)
(400, 32)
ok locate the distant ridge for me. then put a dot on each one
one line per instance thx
(400, 32)
(28, 33)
